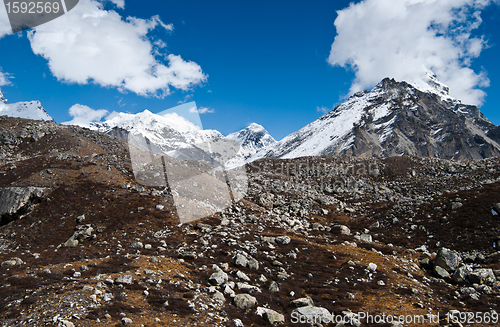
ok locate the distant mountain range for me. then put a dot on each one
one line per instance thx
(174, 135)
(393, 119)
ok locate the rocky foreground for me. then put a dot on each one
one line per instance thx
(82, 244)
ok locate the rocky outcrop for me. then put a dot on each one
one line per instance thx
(15, 201)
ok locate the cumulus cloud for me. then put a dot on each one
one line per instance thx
(84, 115)
(90, 44)
(404, 39)
(202, 110)
(4, 79)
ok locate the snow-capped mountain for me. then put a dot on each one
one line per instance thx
(169, 132)
(252, 139)
(29, 110)
(393, 119)
(174, 135)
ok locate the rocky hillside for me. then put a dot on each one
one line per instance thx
(393, 119)
(82, 244)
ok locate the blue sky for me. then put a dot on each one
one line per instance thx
(279, 63)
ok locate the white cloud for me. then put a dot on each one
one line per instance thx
(84, 115)
(186, 98)
(160, 44)
(90, 44)
(322, 109)
(5, 28)
(4, 79)
(202, 110)
(403, 39)
(119, 3)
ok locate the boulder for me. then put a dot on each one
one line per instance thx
(482, 276)
(253, 264)
(367, 238)
(218, 278)
(302, 302)
(462, 274)
(124, 279)
(219, 297)
(12, 262)
(447, 259)
(340, 230)
(242, 275)
(240, 260)
(283, 240)
(274, 287)
(244, 301)
(136, 245)
(15, 201)
(82, 232)
(441, 272)
(273, 317)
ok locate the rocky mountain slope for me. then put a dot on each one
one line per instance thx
(393, 119)
(85, 245)
(30, 109)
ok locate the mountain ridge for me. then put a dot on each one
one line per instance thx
(393, 119)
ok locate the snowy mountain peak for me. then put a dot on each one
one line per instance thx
(255, 127)
(28, 110)
(394, 118)
(436, 85)
(146, 120)
(430, 83)
(253, 138)
(173, 134)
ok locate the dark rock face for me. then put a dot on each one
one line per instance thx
(15, 201)
(119, 133)
(424, 125)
